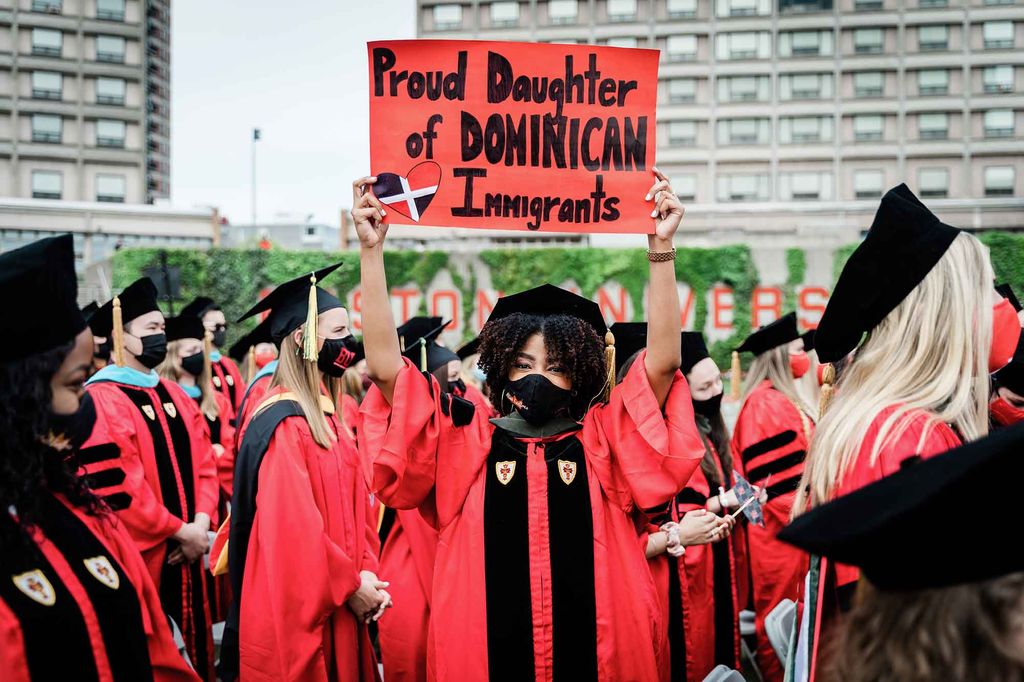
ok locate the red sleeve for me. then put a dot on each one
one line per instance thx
(768, 428)
(12, 647)
(204, 459)
(371, 549)
(147, 519)
(643, 457)
(226, 460)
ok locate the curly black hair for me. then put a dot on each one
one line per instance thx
(29, 466)
(569, 341)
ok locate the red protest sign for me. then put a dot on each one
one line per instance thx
(517, 136)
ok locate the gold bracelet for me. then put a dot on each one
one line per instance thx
(661, 256)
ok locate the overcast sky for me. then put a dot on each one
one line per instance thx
(297, 71)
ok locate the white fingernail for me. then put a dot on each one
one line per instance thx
(654, 214)
(647, 198)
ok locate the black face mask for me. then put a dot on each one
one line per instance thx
(104, 350)
(74, 428)
(154, 350)
(537, 400)
(708, 408)
(193, 364)
(458, 387)
(220, 336)
(337, 355)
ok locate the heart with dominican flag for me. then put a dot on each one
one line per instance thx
(412, 193)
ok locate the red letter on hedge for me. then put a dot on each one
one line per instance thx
(765, 299)
(812, 300)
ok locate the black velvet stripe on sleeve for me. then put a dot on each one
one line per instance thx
(94, 454)
(768, 444)
(691, 496)
(106, 478)
(776, 466)
(783, 487)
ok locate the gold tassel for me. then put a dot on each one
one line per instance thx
(117, 332)
(828, 380)
(250, 363)
(207, 360)
(423, 355)
(737, 377)
(609, 359)
(309, 337)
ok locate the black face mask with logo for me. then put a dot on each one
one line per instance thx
(537, 400)
(154, 350)
(337, 355)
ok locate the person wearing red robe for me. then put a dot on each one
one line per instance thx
(302, 554)
(253, 397)
(1007, 405)
(227, 378)
(771, 436)
(169, 466)
(76, 599)
(539, 572)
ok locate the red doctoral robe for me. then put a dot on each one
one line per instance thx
(228, 380)
(80, 604)
(539, 573)
(771, 438)
(170, 474)
(310, 539)
(1004, 414)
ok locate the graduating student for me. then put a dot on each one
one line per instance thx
(923, 612)
(539, 564)
(920, 294)
(259, 381)
(253, 352)
(169, 464)
(76, 600)
(226, 377)
(772, 434)
(101, 346)
(1007, 406)
(472, 378)
(302, 555)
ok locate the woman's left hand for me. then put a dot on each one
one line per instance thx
(667, 209)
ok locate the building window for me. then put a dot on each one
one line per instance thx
(110, 133)
(867, 5)
(867, 184)
(1000, 2)
(933, 126)
(999, 123)
(998, 78)
(805, 86)
(47, 184)
(504, 14)
(682, 133)
(110, 10)
(47, 85)
(48, 6)
(868, 40)
(868, 84)
(868, 127)
(998, 34)
(746, 45)
(933, 182)
(682, 90)
(933, 82)
(46, 42)
(110, 188)
(682, 9)
(47, 128)
(933, 38)
(805, 186)
(563, 11)
(621, 41)
(794, 6)
(805, 43)
(681, 48)
(447, 17)
(932, 3)
(110, 91)
(742, 8)
(621, 10)
(743, 187)
(743, 131)
(743, 88)
(999, 181)
(685, 186)
(110, 49)
(805, 129)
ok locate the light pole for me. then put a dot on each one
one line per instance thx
(255, 139)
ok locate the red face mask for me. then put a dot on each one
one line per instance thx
(1005, 413)
(799, 363)
(264, 358)
(1005, 335)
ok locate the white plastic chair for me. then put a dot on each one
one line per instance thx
(779, 626)
(724, 673)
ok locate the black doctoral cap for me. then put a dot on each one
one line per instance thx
(260, 334)
(630, 337)
(904, 243)
(137, 299)
(898, 529)
(808, 337)
(199, 307)
(778, 333)
(1006, 291)
(39, 288)
(547, 300)
(420, 332)
(89, 309)
(184, 327)
(289, 303)
(1012, 376)
(693, 350)
(469, 348)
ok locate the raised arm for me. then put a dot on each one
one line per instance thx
(663, 307)
(383, 354)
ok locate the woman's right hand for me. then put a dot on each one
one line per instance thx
(368, 213)
(698, 527)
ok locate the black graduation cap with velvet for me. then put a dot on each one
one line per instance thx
(469, 348)
(136, 300)
(289, 303)
(904, 243)
(693, 349)
(199, 307)
(39, 288)
(423, 331)
(184, 327)
(547, 300)
(898, 530)
(778, 333)
(630, 338)
(260, 334)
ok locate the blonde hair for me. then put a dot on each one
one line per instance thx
(171, 369)
(302, 378)
(774, 366)
(929, 354)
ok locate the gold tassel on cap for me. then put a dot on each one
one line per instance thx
(736, 373)
(309, 337)
(609, 359)
(828, 380)
(423, 355)
(207, 351)
(250, 363)
(117, 333)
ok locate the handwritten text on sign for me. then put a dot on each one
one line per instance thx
(513, 135)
